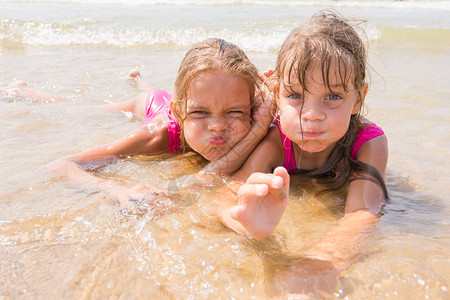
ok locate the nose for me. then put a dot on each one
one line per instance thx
(217, 124)
(312, 110)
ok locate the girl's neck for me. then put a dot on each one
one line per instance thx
(311, 160)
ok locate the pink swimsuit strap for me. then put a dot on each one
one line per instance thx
(289, 157)
(368, 132)
(158, 101)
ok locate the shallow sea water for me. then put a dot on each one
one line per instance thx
(59, 241)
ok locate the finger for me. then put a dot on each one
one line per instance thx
(260, 178)
(280, 187)
(276, 182)
(283, 173)
(272, 181)
(268, 72)
(236, 212)
(252, 190)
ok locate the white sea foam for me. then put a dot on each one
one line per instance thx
(59, 34)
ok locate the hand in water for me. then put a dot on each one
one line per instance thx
(141, 199)
(262, 201)
(20, 89)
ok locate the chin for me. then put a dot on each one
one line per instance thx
(313, 148)
(215, 156)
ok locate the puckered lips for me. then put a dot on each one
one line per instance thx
(218, 140)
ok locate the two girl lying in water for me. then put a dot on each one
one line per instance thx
(219, 110)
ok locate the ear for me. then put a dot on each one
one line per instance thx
(359, 104)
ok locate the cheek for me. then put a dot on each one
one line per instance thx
(190, 131)
(340, 123)
(286, 109)
(288, 117)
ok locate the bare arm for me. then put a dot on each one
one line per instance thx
(150, 139)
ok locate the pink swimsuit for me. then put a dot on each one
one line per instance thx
(369, 131)
(158, 101)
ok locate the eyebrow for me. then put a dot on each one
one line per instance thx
(238, 106)
(197, 106)
(296, 84)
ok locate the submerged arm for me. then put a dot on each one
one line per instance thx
(363, 206)
(147, 140)
(317, 272)
(22, 90)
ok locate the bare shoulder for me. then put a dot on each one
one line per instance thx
(152, 138)
(366, 194)
(375, 153)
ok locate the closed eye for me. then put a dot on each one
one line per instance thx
(198, 113)
(235, 113)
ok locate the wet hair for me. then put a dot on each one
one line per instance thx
(213, 55)
(329, 42)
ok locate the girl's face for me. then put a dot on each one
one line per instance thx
(217, 113)
(316, 120)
